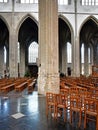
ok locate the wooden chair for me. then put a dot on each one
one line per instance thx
(51, 103)
(75, 107)
(62, 105)
(73, 90)
(91, 111)
(83, 93)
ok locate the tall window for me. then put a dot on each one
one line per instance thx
(28, 1)
(18, 47)
(89, 2)
(33, 52)
(69, 52)
(5, 55)
(3, 1)
(63, 2)
(82, 53)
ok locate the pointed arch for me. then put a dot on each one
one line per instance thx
(67, 22)
(5, 21)
(65, 44)
(86, 36)
(94, 19)
(23, 19)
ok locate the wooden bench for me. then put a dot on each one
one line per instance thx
(21, 86)
(31, 86)
(8, 88)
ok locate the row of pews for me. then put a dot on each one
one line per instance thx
(17, 84)
(89, 83)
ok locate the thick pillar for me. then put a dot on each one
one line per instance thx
(13, 50)
(76, 48)
(64, 58)
(22, 60)
(76, 58)
(48, 76)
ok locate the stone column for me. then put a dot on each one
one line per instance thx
(60, 57)
(86, 67)
(7, 59)
(64, 58)
(13, 50)
(91, 55)
(22, 60)
(76, 47)
(2, 66)
(48, 76)
(26, 58)
(95, 55)
(76, 57)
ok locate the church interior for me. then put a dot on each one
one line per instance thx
(48, 64)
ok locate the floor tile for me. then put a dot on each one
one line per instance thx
(17, 115)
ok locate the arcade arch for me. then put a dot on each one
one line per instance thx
(65, 46)
(28, 33)
(89, 37)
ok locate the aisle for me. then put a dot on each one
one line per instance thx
(22, 111)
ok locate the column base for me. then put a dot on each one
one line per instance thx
(48, 83)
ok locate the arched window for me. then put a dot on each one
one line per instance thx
(89, 2)
(5, 55)
(69, 52)
(82, 53)
(33, 52)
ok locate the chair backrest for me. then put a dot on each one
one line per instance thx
(50, 97)
(75, 102)
(62, 99)
(73, 91)
(64, 91)
(91, 105)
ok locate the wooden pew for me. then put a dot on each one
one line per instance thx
(21, 86)
(31, 86)
(8, 88)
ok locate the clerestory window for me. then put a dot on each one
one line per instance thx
(29, 1)
(62, 2)
(3, 1)
(89, 2)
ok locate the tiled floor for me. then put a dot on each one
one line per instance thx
(23, 111)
